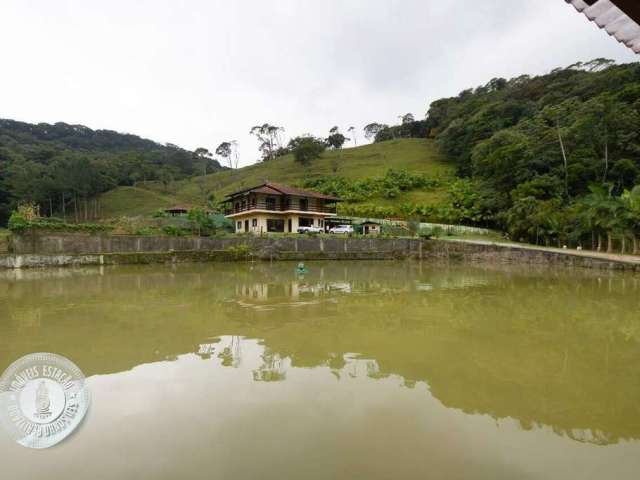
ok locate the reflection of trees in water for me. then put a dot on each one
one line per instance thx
(558, 349)
(273, 368)
(231, 354)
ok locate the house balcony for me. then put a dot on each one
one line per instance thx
(276, 207)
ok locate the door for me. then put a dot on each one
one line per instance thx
(246, 225)
(290, 226)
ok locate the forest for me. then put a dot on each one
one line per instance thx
(61, 167)
(553, 159)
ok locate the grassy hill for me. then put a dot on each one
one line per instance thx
(369, 161)
(131, 201)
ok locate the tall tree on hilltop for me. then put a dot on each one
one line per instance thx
(336, 139)
(407, 118)
(224, 150)
(269, 138)
(306, 148)
(352, 132)
(202, 157)
(371, 130)
(235, 153)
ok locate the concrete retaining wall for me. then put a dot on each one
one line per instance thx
(78, 249)
(473, 252)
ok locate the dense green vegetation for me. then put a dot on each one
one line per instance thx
(60, 167)
(549, 159)
(553, 159)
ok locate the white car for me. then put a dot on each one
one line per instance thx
(310, 230)
(346, 229)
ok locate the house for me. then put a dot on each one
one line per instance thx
(370, 228)
(183, 210)
(276, 208)
(178, 210)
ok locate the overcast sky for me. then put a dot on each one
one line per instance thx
(198, 72)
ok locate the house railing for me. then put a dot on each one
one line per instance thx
(279, 207)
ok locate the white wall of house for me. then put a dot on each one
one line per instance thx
(257, 222)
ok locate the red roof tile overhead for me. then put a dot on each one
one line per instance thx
(619, 18)
(271, 188)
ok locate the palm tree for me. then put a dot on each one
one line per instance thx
(605, 214)
(631, 203)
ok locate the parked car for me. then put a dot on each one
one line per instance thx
(310, 230)
(345, 229)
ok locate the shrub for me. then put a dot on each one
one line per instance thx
(431, 232)
(17, 222)
(389, 186)
(239, 252)
(173, 231)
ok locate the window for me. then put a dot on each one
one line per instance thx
(271, 203)
(239, 226)
(254, 222)
(305, 222)
(275, 225)
(304, 204)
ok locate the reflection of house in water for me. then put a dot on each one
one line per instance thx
(298, 292)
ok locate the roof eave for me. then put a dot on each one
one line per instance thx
(619, 18)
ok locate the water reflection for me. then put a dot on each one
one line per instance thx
(556, 349)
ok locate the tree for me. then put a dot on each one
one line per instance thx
(224, 150)
(407, 118)
(269, 138)
(371, 130)
(203, 157)
(167, 175)
(631, 203)
(235, 154)
(200, 220)
(336, 139)
(352, 132)
(307, 148)
(605, 213)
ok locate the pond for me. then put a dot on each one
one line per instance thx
(354, 370)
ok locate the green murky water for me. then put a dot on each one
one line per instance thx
(356, 371)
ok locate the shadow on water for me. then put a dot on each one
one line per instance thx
(557, 348)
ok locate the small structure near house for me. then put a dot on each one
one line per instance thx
(178, 210)
(371, 228)
(183, 210)
(276, 208)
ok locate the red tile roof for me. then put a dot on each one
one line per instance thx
(271, 188)
(178, 208)
(183, 208)
(620, 18)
